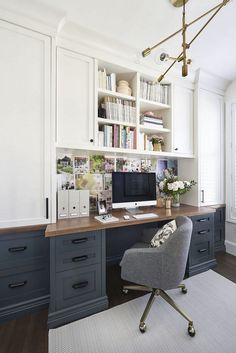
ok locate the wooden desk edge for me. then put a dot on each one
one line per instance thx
(86, 224)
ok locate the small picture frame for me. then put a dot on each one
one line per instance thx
(102, 207)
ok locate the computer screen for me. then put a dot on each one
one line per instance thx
(133, 189)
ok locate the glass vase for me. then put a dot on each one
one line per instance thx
(175, 201)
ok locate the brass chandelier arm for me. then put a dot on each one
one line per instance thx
(219, 7)
(148, 51)
(160, 78)
(208, 21)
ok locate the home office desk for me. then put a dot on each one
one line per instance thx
(81, 248)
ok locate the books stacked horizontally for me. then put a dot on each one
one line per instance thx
(119, 109)
(118, 136)
(149, 119)
(153, 91)
(106, 81)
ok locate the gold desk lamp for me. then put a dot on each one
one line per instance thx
(183, 55)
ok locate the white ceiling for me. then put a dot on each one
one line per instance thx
(140, 24)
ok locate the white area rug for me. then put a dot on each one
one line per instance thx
(211, 302)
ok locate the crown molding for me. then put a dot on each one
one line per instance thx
(211, 82)
(34, 16)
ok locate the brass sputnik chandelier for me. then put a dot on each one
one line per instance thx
(182, 57)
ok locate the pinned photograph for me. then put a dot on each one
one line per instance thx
(64, 164)
(81, 165)
(97, 164)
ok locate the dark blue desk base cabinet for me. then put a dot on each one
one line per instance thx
(24, 273)
(201, 253)
(77, 277)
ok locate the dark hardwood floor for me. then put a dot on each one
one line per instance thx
(29, 334)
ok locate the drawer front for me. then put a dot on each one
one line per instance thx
(21, 249)
(200, 252)
(78, 241)
(78, 286)
(203, 222)
(24, 284)
(202, 235)
(78, 258)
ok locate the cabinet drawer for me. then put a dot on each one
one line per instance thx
(202, 235)
(78, 286)
(203, 222)
(200, 252)
(22, 249)
(78, 258)
(78, 241)
(24, 284)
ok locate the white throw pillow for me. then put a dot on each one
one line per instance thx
(163, 234)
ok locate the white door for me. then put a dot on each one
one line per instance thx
(24, 126)
(75, 99)
(183, 121)
(211, 148)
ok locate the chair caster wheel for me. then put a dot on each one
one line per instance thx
(184, 290)
(125, 291)
(142, 327)
(191, 330)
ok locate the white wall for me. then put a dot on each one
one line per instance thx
(230, 229)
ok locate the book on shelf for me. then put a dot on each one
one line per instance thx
(118, 109)
(106, 81)
(146, 142)
(154, 91)
(119, 136)
(149, 119)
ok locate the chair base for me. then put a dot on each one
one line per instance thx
(155, 293)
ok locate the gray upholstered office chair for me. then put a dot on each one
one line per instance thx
(158, 269)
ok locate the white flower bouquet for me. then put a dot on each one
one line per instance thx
(171, 186)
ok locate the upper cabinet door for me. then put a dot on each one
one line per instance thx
(211, 147)
(75, 99)
(24, 127)
(183, 120)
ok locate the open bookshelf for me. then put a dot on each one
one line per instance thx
(123, 119)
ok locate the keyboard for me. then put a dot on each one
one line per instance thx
(145, 215)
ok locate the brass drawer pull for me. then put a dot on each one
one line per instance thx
(204, 231)
(79, 258)
(18, 249)
(17, 284)
(80, 285)
(202, 250)
(79, 241)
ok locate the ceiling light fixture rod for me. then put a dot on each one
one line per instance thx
(147, 51)
(181, 55)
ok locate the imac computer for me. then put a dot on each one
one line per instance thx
(131, 190)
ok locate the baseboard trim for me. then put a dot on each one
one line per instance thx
(14, 311)
(230, 247)
(76, 312)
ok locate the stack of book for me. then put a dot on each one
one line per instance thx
(118, 136)
(119, 110)
(150, 120)
(154, 91)
(106, 81)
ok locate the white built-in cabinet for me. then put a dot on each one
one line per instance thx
(210, 147)
(25, 126)
(183, 120)
(75, 99)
